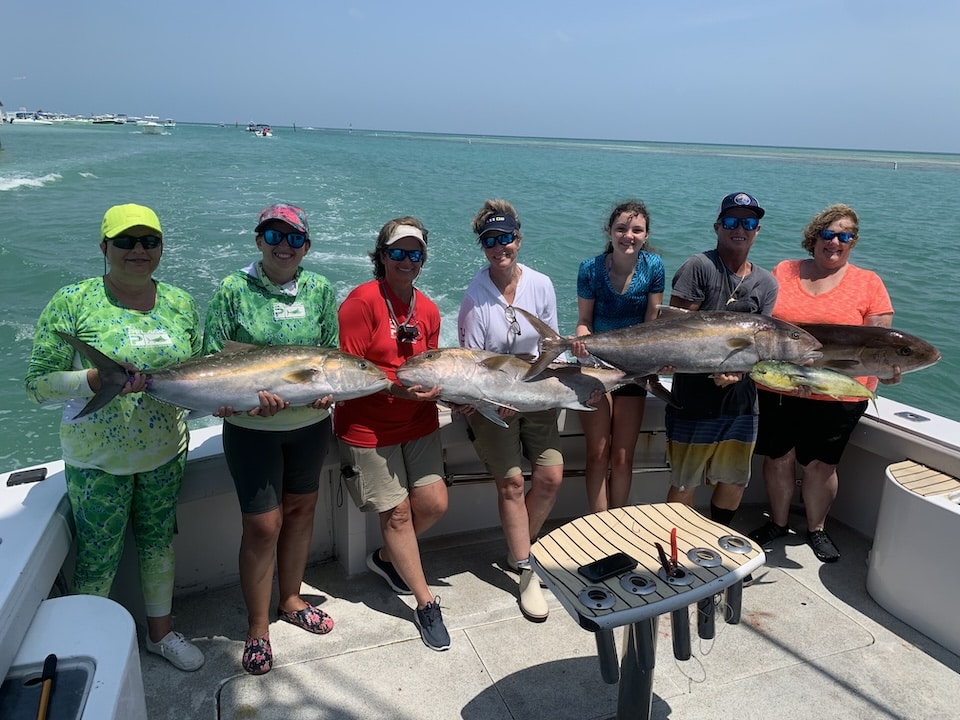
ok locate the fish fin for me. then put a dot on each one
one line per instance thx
(300, 377)
(739, 343)
(671, 311)
(551, 344)
(231, 347)
(113, 376)
(489, 411)
(497, 362)
(655, 388)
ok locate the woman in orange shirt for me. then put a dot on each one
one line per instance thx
(809, 429)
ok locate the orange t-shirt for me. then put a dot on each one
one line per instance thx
(860, 294)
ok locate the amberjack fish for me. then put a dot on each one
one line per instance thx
(858, 350)
(787, 377)
(690, 342)
(489, 381)
(300, 374)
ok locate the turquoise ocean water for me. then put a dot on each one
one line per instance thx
(208, 183)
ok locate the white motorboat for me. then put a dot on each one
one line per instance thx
(810, 633)
(24, 117)
(151, 128)
(169, 123)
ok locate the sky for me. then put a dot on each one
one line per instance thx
(852, 74)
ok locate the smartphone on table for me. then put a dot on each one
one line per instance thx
(607, 567)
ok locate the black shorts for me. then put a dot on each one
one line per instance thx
(630, 390)
(265, 464)
(816, 429)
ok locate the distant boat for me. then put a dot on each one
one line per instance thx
(147, 119)
(169, 123)
(151, 128)
(23, 117)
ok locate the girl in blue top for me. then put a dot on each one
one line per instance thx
(621, 287)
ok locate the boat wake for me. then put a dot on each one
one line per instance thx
(14, 183)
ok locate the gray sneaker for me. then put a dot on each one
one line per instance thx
(432, 630)
(388, 572)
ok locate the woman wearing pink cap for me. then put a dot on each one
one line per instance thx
(275, 452)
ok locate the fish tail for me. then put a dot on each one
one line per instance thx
(113, 376)
(551, 344)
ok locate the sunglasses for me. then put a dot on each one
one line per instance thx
(843, 237)
(408, 333)
(398, 254)
(275, 237)
(491, 240)
(129, 242)
(511, 315)
(731, 223)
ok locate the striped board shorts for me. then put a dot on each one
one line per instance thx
(710, 450)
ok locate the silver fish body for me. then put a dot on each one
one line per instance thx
(489, 381)
(859, 350)
(300, 374)
(691, 342)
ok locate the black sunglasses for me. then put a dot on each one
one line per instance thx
(129, 242)
(275, 237)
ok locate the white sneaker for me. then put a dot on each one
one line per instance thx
(180, 652)
(532, 603)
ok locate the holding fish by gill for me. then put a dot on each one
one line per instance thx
(787, 377)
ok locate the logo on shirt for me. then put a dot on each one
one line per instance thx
(293, 311)
(149, 338)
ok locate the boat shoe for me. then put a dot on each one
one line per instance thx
(312, 619)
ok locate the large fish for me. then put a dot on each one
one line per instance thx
(858, 350)
(300, 374)
(489, 381)
(786, 376)
(691, 342)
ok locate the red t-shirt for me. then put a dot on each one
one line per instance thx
(860, 294)
(366, 330)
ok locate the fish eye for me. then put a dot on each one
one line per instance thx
(905, 352)
(795, 335)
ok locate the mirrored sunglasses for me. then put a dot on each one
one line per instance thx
(275, 237)
(843, 237)
(398, 254)
(128, 242)
(732, 223)
(490, 240)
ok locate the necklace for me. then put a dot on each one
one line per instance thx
(406, 331)
(733, 295)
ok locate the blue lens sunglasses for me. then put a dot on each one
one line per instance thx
(398, 254)
(731, 223)
(275, 237)
(491, 240)
(843, 237)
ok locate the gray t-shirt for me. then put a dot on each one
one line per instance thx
(704, 279)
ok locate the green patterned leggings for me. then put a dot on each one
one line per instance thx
(102, 503)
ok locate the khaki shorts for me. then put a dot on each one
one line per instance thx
(380, 478)
(531, 435)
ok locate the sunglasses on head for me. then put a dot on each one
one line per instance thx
(275, 237)
(732, 223)
(491, 240)
(129, 242)
(398, 254)
(843, 237)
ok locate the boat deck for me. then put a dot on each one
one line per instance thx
(811, 644)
